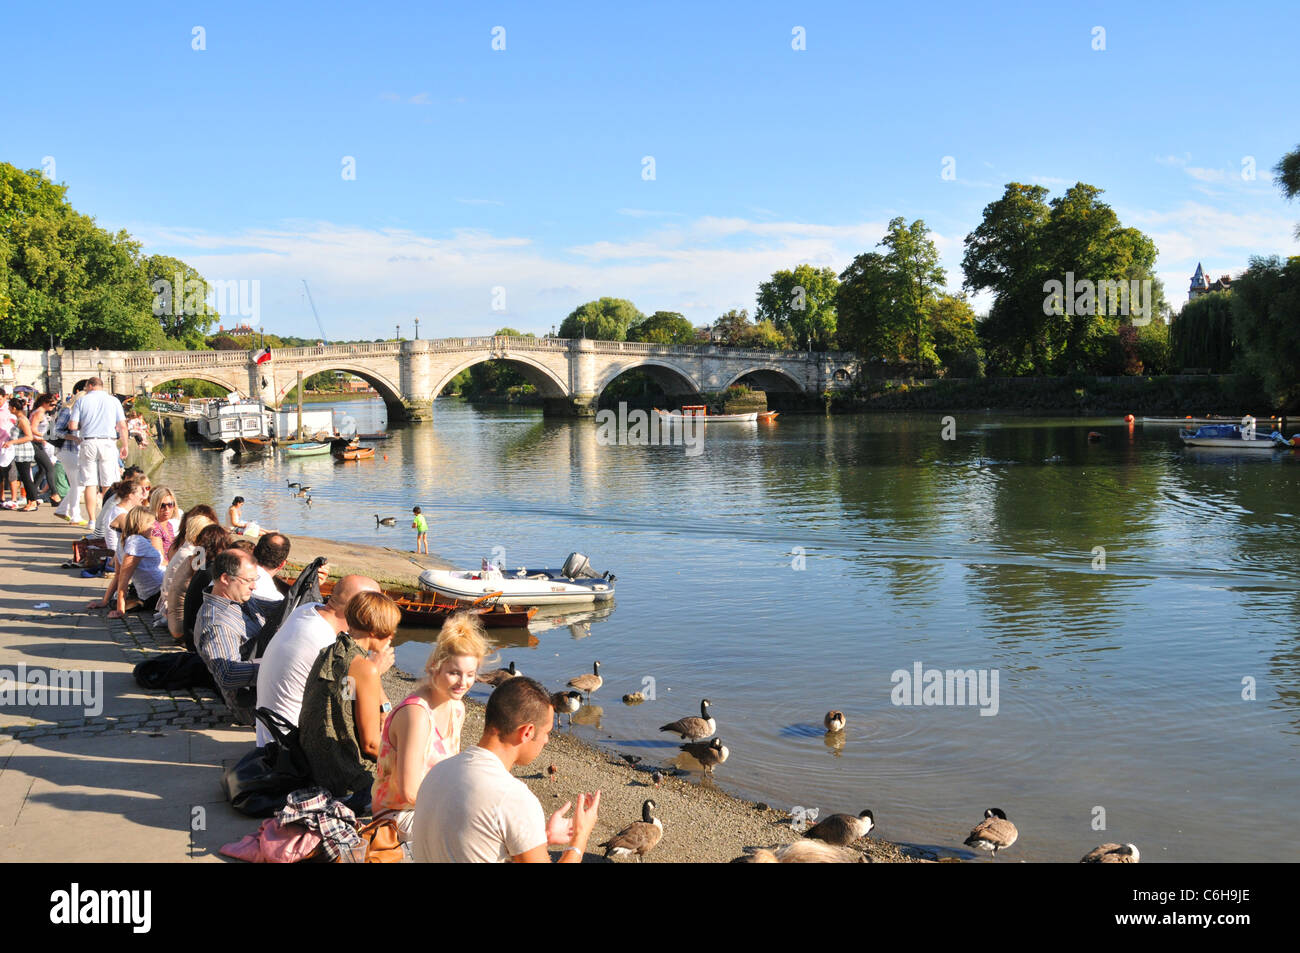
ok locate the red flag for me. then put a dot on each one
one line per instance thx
(264, 356)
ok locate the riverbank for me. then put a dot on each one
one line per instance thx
(123, 774)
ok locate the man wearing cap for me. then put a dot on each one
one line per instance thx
(98, 420)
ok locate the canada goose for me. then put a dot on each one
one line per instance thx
(566, 703)
(1112, 854)
(834, 721)
(386, 521)
(293, 485)
(842, 829)
(639, 837)
(708, 753)
(308, 501)
(807, 852)
(692, 728)
(497, 676)
(588, 683)
(633, 698)
(993, 833)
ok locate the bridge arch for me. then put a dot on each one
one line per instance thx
(546, 381)
(151, 381)
(673, 379)
(389, 391)
(769, 377)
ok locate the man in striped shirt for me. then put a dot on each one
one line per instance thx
(223, 626)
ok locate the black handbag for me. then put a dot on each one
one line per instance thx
(259, 782)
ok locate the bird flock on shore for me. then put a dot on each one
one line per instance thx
(828, 841)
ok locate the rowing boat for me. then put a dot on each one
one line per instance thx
(306, 449)
(699, 414)
(355, 453)
(423, 609)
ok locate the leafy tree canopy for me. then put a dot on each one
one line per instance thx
(605, 320)
(663, 327)
(801, 304)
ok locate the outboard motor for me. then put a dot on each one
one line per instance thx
(578, 566)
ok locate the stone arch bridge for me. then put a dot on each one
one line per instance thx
(569, 374)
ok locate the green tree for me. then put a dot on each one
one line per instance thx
(1266, 319)
(1201, 336)
(765, 336)
(801, 304)
(868, 321)
(952, 329)
(912, 261)
(1288, 177)
(496, 378)
(730, 328)
(605, 320)
(663, 327)
(179, 302)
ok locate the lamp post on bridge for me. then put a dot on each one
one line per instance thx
(417, 329)
(399, 334)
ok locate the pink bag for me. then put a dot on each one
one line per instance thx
(274, 844)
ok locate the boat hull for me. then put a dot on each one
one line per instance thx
(362, 453)
(307, 449)
(1232, 443)
(536, 587)
(423, 609)
(709, 418)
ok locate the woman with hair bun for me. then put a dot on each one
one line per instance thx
(425, 728)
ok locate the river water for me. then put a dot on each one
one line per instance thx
(1147, 690)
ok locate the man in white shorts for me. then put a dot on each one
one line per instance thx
(98, 420)
(472, 809)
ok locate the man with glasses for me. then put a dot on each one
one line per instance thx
(223, 627)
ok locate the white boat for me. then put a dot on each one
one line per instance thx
(574, 583)
(700, 414)
(224, 421)
(1228, 437)
(1203, 421)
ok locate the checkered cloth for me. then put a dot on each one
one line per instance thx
(317, 810)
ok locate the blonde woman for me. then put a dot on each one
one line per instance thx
(163, 506)
(425, 728)
(180, 567)
(139, 580)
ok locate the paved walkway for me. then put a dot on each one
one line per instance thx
(139, 780)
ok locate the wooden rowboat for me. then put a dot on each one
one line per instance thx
(355, 453)
(307, 449)
(426, 610)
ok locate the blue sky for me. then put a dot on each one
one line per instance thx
(522, 169)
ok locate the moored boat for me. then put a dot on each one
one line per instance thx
(574, 583)
(306, 449)
(355, 453)
(700, 414)
(1227, 437)
(425, 610)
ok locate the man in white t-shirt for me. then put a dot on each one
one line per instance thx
(98, 421)
(271, 553)
(282, 677)
(470, 808)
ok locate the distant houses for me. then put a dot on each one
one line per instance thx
(1201, 284)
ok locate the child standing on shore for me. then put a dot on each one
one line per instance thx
(421, 527)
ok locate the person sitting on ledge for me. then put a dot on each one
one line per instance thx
(424, 728)
(235, 515)
(288, 659)
(271, 553)
(472, 809)
(223, 626)
(343, 703)
(139, 578)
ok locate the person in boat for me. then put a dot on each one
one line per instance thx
(235, 515)
(425, 726)
(343, 703)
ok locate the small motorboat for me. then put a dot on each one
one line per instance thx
(573, 583)
(307, 449)
(355, 453)
(1228, 437)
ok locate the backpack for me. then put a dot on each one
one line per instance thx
(174, 671)
(259, 782)
(306, 588)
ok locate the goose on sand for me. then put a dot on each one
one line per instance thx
(993, 833)
(639, 837)
(842, 829)
(588, 683)
(708, 753)
(497, 676)
(566, 703)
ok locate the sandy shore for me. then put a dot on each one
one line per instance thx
(702, 823)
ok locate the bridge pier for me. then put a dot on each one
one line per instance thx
(575, 406)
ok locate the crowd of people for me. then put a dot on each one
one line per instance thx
(318, 664)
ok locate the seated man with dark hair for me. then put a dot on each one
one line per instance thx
(271, 553)
(471, 808)
(223, 626)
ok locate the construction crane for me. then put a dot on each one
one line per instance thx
(319, 326)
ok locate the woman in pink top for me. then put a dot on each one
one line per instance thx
(425, 728)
